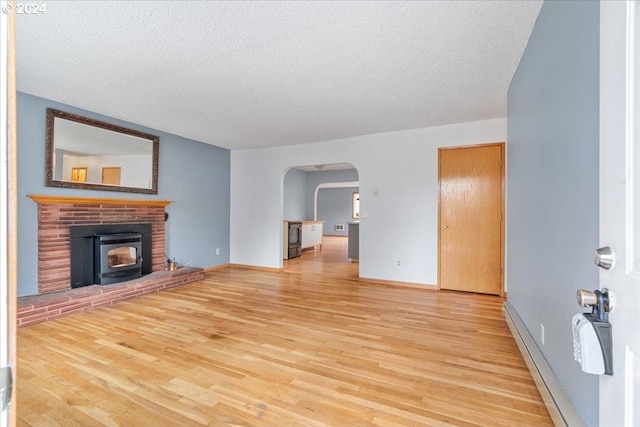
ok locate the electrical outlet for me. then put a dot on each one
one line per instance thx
(541, 334)
(217, 251)
(398, 263)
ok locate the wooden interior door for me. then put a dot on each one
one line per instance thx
(111, 175)
(471, 207)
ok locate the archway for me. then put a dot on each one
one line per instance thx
(321, 196)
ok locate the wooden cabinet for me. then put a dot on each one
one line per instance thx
(312, 232)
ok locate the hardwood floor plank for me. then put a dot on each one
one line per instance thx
(309, 346)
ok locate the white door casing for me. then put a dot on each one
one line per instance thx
(620, 205)
(5, 87)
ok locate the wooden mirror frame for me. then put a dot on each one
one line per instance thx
(52, 114)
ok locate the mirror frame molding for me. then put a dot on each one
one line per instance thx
(48, 168)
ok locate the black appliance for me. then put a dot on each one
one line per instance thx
(295, 239)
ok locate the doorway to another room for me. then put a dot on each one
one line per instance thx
(321, 198)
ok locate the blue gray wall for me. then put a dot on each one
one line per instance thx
(552, 179)
(195, 176)
(334, 207)
(294, 194)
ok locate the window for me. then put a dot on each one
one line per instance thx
(355, 205)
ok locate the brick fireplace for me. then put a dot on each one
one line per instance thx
(57, 214)
(55, 217)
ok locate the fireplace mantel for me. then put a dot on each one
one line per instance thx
(58, 200)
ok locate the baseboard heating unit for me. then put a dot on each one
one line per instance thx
(560, 408)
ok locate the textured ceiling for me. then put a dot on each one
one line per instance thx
(242, 74)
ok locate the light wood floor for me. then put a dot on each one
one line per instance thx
(254, 348)
(330, 261)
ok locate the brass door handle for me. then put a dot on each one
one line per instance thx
(445, 226)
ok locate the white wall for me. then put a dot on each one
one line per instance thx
(400, 223)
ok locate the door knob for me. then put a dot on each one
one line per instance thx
(445, 226)
(587, 298)
(604, 257)
(600, 301)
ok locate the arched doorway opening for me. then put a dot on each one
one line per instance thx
(321, 198)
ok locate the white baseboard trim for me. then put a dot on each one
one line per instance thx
(558, 404)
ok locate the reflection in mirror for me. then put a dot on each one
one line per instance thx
(90, 154)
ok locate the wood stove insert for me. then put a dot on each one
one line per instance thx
(109, 253)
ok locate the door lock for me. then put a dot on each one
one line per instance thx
(592, 341)
(604, 257)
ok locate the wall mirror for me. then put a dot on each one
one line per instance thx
(94, 155)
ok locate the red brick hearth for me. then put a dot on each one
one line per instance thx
(40, 308)
(55, 215)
